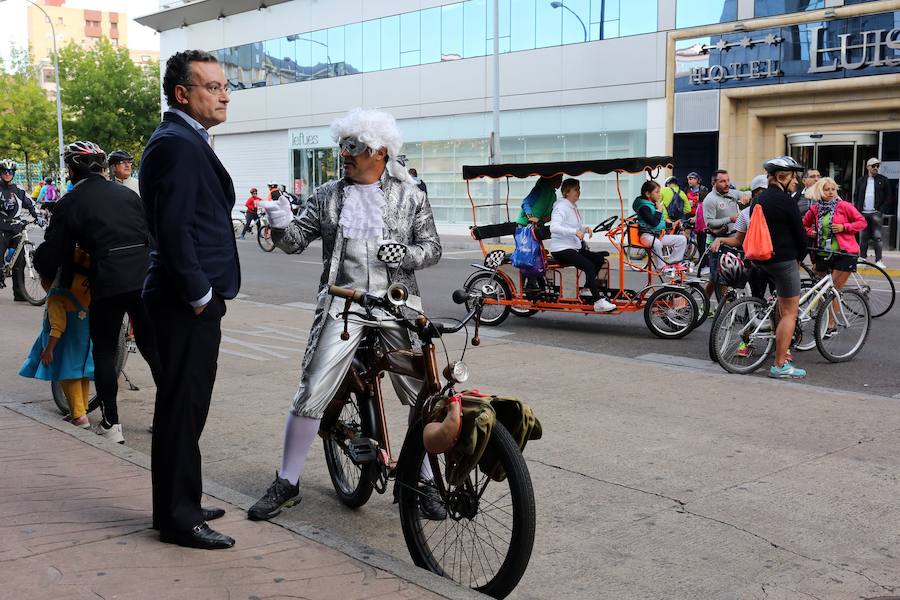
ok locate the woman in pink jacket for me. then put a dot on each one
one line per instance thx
(834, 224)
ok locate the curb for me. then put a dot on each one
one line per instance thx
(362, 553)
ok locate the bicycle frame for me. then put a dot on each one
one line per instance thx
(809, 301)
(23, 237)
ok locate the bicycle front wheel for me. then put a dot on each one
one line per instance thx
(743, 336)
(842, 330)
(27, 278)
(485, 541)
(264, 238)
(877, 286)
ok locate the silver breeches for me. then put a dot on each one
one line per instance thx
(332, 359)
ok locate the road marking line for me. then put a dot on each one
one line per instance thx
(309, 262)
(265, 349)
(301, 305)
(266, 332)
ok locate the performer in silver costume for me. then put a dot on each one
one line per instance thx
(377, 201)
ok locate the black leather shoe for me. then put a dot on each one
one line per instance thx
(211, 513)
(201, 536)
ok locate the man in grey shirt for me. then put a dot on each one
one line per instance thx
(721, 208)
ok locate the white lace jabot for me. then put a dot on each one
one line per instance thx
(362, 216)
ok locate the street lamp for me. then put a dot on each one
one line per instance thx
(295, 37)
(561, 5)
(59, 130)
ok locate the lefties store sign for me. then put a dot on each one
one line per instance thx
(867, 45)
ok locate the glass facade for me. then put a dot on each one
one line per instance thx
(693, 13)
(444, 33)
(766, 8)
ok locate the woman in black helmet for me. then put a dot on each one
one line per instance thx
(789, 246)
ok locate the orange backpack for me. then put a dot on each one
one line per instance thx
(758, 241)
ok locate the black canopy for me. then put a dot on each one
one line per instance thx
(636, 164)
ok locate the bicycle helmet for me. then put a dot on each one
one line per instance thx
(8, 164)
(782, 163)
(85, 156)
(732, 271)
(117, 156)
(671, 179)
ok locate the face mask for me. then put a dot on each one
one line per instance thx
(352, 146)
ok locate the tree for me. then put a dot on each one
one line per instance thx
(107, 98)
(27, 117)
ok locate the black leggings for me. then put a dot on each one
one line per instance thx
(251, 216)
(586, 261)
(106, 316)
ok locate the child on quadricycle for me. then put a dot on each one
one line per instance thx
(62, 351)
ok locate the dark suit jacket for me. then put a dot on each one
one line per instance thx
(882, 193)
(188, 196)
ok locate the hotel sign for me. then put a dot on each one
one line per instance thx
(867, 45)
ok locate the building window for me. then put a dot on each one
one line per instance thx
(59, 20)
(766, 8)
(692, 13)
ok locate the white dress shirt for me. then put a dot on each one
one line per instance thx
(565, 222)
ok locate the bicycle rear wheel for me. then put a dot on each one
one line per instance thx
(842, 332)
(698, 293)
(238, 226)
(486, 540)
(877, 286)
(743, 336)
(352, 482)
(670, 313)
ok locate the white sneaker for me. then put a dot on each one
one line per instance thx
(603, 305)
(113, 434)
(880, 264)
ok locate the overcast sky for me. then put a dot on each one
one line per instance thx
(14, 30)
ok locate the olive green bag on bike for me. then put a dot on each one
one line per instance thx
(479, 414)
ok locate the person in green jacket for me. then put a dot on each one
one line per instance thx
(675, 203)
(538, 204)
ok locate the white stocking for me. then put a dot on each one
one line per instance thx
(299, 434)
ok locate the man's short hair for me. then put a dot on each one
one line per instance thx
(806, 172)
(718, 172)
(178, 71)
(413, 172)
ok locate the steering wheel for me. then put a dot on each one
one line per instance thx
(606, 225)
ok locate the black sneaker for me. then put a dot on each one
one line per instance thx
(431, 506)
(280, 494)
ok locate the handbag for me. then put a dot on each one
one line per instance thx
(529, 253)
(758, 241)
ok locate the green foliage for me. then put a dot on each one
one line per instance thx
(27, 118)
(107, 98)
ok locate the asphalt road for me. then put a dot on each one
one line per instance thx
(278, 278)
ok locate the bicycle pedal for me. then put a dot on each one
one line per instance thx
(363, 450)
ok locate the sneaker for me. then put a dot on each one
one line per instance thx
(788, 371)
(431, 506)
(880, 264)
(281, 494)
(743, 350)
(83, 422)
(113, 433)
(604, 305)
(829, 333)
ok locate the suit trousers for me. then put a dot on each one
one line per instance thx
(188, 352)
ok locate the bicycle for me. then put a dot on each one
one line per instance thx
(842, 317)
(27, 278)
(264, 233)
(874, 283)
(485, 542)
(125, 346)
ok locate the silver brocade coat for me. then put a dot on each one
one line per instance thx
(407, 219)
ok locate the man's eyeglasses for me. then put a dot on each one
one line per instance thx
(213, 88)
(7, 171)
(352, 146)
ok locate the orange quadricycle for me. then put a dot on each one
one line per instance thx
(673, 302)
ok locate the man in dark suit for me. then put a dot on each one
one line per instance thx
(194, 268)
(872, 199)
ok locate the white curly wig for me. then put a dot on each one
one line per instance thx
(376, 129)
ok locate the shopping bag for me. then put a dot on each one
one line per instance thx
(758, 241)
(529, 253)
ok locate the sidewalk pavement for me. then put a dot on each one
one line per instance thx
(75, 523)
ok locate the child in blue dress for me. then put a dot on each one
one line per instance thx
(62, 351)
